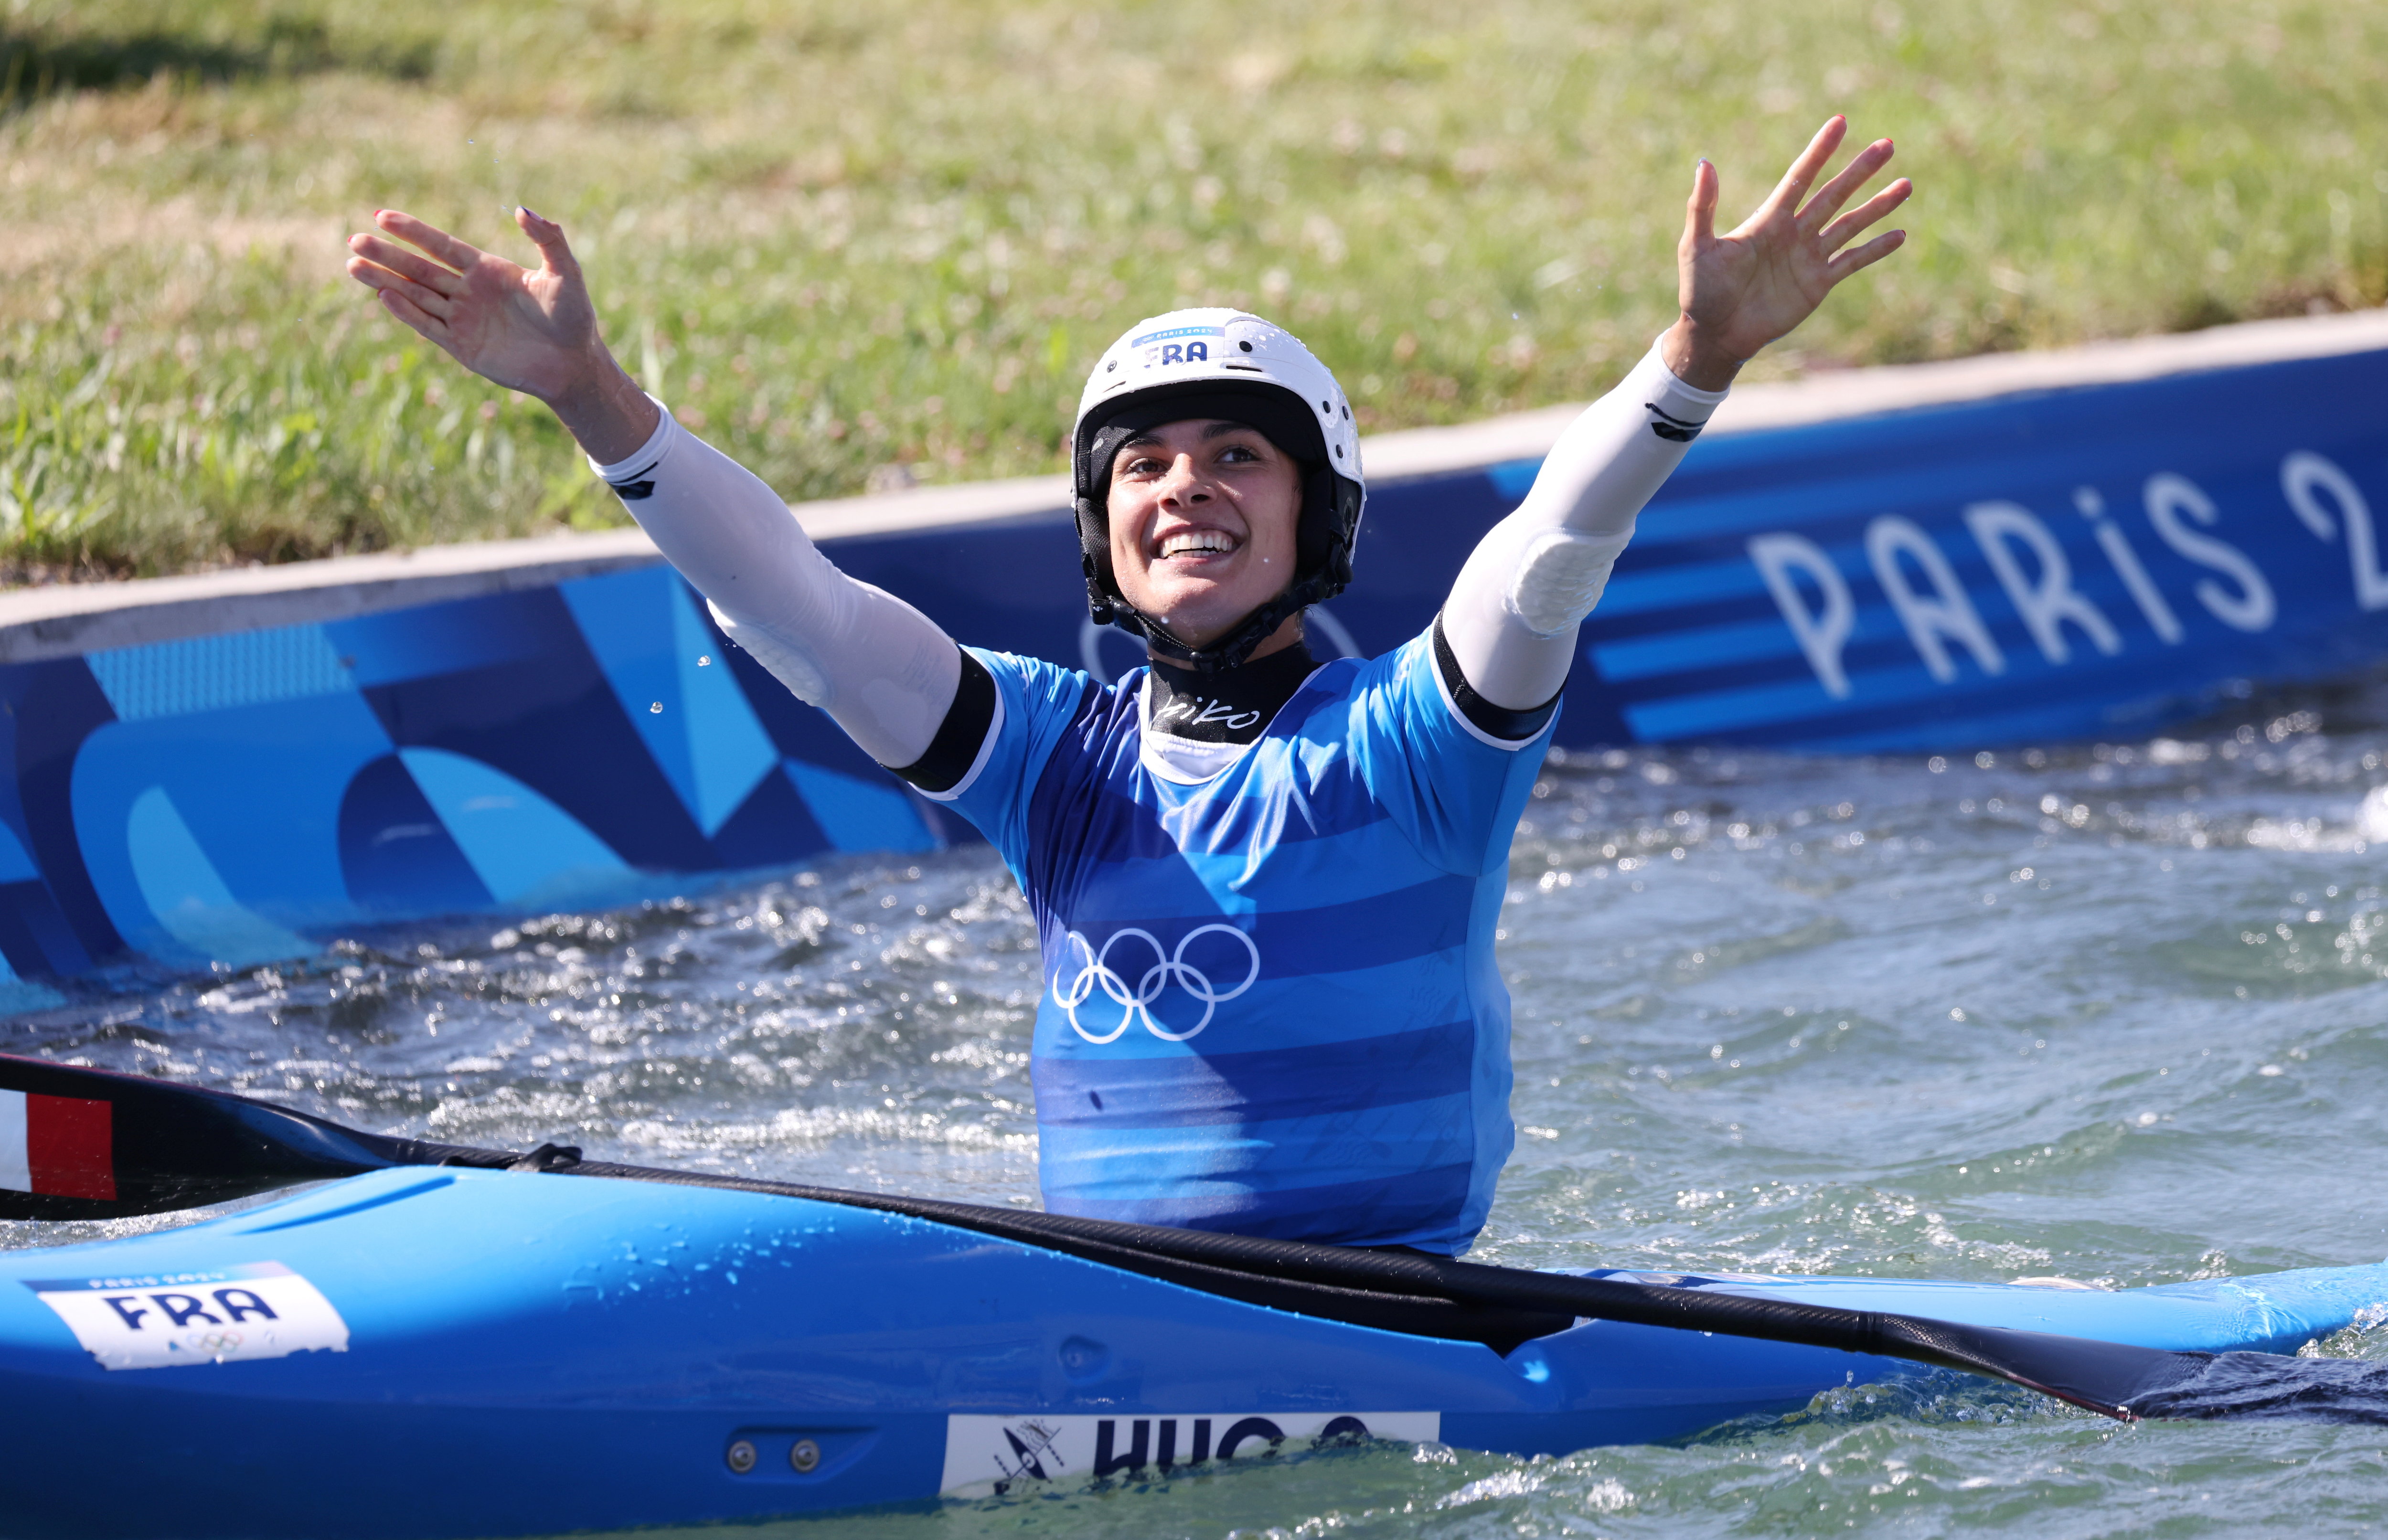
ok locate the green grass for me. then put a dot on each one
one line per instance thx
(858, 240)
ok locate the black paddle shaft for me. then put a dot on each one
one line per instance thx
(2099, 1376)
(174, 1146)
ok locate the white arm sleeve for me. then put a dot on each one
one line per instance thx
(1511, 619)
(885, 671)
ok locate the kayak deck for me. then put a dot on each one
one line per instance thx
(424, 1352)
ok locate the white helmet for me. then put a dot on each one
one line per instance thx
(1225, 364)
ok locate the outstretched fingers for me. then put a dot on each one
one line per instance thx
(1865, 256)
(1845, 229)
(416, 288)
(396, 302)
(420, 298)
(407, 264)
(443, 247)
(1795, 183)
(1856, 174)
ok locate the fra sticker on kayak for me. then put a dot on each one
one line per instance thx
(160, 1321)
(993, 1454)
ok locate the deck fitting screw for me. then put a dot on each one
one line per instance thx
(741, 1456)
(804, 1456)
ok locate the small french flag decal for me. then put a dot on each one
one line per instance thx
(60, 1145)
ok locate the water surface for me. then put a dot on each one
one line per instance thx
(2114, 1014)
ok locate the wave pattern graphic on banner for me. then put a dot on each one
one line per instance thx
(664, 663)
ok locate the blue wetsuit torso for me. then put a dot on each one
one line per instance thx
(1270, 1002)
(1269, 999)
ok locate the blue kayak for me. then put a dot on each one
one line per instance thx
(431, 1352)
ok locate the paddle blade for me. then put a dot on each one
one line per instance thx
(2103, 1377)
(79, 1144)
(2269, 1384)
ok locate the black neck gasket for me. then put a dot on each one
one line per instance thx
(1227, 705)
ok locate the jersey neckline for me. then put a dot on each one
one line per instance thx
(1192, 762)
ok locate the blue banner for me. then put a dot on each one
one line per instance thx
(2057, 566)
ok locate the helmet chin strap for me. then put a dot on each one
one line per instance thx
(1227, 651)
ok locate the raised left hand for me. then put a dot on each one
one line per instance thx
(1742, 290)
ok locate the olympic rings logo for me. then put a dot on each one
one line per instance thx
(1168, 968)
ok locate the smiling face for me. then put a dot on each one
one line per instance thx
(1202, 521)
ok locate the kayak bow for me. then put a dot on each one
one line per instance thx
(455, 1352)
(480, 1347)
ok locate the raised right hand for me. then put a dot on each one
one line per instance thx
(535, 332)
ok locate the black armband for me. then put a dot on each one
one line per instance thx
(639, 485)
(1510, 726)
(960, 737)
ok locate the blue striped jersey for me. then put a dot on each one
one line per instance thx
(1270, 1002)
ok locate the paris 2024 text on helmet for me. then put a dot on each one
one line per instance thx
(1227, 365)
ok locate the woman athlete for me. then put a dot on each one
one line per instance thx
(1267, 887)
